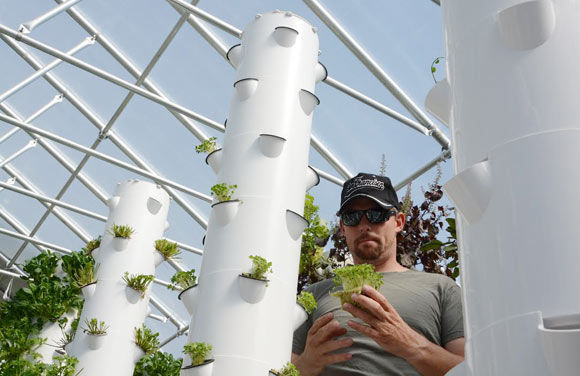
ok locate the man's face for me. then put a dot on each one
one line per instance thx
(372, 243)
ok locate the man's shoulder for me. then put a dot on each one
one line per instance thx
(321, 287)
(428, 278)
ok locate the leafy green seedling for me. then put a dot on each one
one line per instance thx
(92, 245)
(146, 339)
(307, 301)
(166, 248)
(183, 279)
(95, 327)
(199, 352)
(223, 192)
(85, 275)
(352, 278)
(122, 231)
(138, 282)
(288, 370)
(207, 146)
(260, 266)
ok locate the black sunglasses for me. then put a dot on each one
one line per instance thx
(374, 216)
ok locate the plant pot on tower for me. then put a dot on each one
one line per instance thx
(201, 363)
(305, 305)
(96, 332)
(146, 342)
(253, 285)
(165, 250)
(185, 280)
(226, 208)
(137, 285)
(82, 269)
(121, 236)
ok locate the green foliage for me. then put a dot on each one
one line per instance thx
(42, 267)
(183, 279)
(166, 248)
(92, 245)
(314, 238)
(353, 277)
(289, 370)
(260, 266)
(197, 351)
(122, 231)
(223, 192)
(80, 268)
(158, 364)
(146, 339)
(307, 301)
(62, 366)
(86, 275)
(433, 68)
(207, 146)
(138, 282)
(95, 327)
(448, 249)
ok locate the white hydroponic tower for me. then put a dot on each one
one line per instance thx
(514, 88)
(144, 207)
(265, 153)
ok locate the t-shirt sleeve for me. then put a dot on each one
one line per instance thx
(452, 314)
(300, 334)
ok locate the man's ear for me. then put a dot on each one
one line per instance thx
(341, 226)
(400, 221)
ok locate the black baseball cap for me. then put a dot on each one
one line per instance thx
(377, 188)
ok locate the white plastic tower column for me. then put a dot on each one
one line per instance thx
(144, 207)
(514, 79)
(265, 152)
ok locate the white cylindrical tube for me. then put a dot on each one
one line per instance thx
(265, 153)
(144, 207)
(513, 74)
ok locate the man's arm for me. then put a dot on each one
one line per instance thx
(392, 333)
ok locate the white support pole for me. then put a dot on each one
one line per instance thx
(31, 144)
(57, 99)
(27, 27)
(144, 207)
(376, 70)
(208, 18)
(513, 73)
(47, 68)
(104, 157)
(109, 77)
(9, 274)
(265, 152)
(35, 241)
(443, 156)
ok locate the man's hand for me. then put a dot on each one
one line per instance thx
(385, 326)
(319, 343)
(392, 333)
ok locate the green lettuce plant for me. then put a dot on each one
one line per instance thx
(122, 231)
(167, 249)
(86, 275)
(260, 266)
(288, 370)
(198, 352)
(138, 282)
(207, 146)
(146, 339)
(158, 364)
(352, 278)
(223, 192)
(307, 301)
(95, 327)
(183, 279)
(92, 245)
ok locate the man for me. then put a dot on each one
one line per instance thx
(412, 326)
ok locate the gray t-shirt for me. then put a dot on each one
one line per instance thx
(429, 303)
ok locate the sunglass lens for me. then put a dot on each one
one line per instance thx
(376, 215)
(352, 218)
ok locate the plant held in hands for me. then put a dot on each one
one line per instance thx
(199, 352)
(95, 327)
(207, 146)
(122, 231)
(260, 266)
(288, 370)
(352, 278)
(138, 282)
(223, 192)
(307, 301)
(183, 279)
(167, 249)
(146, 340)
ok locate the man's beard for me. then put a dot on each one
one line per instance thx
(365, 252)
